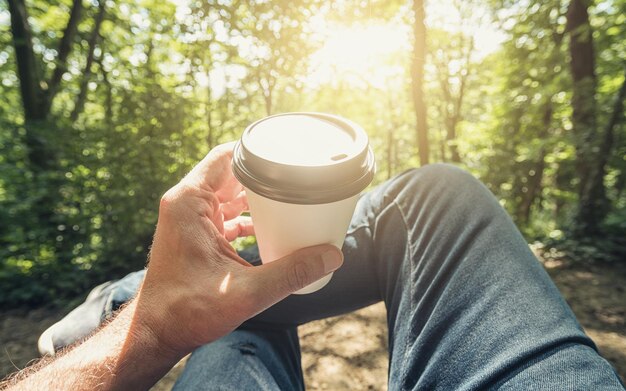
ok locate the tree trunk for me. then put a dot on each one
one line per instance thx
(390, 137)
(451, 140)
(533, 185)
(616, 117)
(65, 48)
(609, 134)
(108, 103)
(442, 130)
(442, 145)
(620, 184)
(594, 204)
(149, 67)
(93, 40)
(28, 69)
(591, 198)
(267, 93)
(390, 143)
(209, 110)
(37, 95)
(396, 148)
(40, 156)
(417, 80)
(450, 113)
(456, 118)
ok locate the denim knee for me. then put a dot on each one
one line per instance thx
(441, 183)
(441, 175)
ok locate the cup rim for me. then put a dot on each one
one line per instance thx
(267, 187)
(361, 139)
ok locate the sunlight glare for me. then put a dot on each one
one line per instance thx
(360, 54)
(224, 285)
(487, 36)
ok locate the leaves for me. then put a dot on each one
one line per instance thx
(79, 197)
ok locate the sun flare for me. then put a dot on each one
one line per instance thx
(361, 53)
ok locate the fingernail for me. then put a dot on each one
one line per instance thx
(332, 260)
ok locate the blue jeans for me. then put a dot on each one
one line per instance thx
(469, 307)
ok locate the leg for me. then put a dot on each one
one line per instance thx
(469, 306)
(246, 360)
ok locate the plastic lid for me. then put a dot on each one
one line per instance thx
(304, 158)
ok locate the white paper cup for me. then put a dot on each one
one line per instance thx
(303, 173)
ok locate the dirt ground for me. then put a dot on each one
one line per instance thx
(350, 352)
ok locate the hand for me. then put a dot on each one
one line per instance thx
(197, 289)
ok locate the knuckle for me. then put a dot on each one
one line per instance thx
(168, 196)
(185, 190)
(174, 195)
(167, 200)
(298, 276)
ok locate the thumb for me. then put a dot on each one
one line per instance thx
(278, 279)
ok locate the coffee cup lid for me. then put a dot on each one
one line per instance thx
(304, 158)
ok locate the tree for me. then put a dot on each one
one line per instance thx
(281, 47)
(93, 41)
(598, 169)
(417, 80)
(452, 65)
(28, 69)
(525, 88)
(142, 89)
(592, 205)
(38, 93)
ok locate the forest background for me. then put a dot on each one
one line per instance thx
(105, 104)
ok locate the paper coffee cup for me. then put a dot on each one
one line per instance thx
(303, 173)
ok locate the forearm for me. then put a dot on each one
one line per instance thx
(123, 355)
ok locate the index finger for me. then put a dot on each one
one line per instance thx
(214, 173)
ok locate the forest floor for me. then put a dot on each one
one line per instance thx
(350, 352)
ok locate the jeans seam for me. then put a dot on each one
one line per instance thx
(378, 214)
(411, 306)
(406, 226)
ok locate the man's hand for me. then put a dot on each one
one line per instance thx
(197, 288)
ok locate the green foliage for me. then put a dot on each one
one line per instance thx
(609, 248)
(79, 199)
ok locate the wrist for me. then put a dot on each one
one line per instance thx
(148, 341)
(143, 359)
(147, 331)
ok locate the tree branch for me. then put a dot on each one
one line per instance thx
(463, 83)
(65, 47)
(93, 40)
(108, 108)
